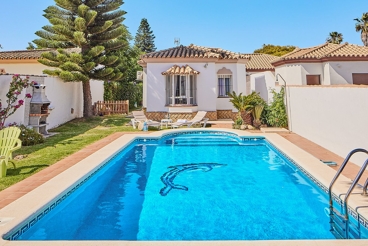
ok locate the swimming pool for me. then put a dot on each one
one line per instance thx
(226, 188)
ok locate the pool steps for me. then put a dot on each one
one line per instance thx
(340, 224)
(207, 142)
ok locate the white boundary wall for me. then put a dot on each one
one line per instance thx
(64, 97)
(334, 117)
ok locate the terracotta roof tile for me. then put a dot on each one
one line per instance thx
(325, 51)
(350, 51)
(180, 70)
(260, 61)
(21, 54)
(27, 54)
(194, 51)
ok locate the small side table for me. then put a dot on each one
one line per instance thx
(166, 122)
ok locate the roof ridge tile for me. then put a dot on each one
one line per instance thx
(337, 48)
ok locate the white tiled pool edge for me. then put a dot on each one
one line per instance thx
(27, 205)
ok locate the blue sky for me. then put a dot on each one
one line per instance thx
(236, 25)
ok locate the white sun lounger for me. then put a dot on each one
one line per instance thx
(198, 118)
(139, 116)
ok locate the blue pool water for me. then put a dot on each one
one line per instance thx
(191, 187)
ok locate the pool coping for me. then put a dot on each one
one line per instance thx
(14, 213)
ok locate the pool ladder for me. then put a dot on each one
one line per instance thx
(341, 227)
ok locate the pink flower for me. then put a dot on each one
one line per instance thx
(16, 106)
(28, 95)
(16, 93)
(20, 102)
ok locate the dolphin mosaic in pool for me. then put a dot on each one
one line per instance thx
(168, 177)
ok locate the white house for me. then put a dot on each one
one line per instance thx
(326, 64)
(185, 79)
(66, 97)
(326, 95)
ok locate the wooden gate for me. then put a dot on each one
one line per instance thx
(111, 107)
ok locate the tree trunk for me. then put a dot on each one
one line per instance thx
(364, 37)
(247, 117)
(87, 100)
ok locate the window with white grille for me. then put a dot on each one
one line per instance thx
(181, 90)
(225, 85)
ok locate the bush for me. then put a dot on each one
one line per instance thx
(276, 112)
(115, 91)
(29, 136)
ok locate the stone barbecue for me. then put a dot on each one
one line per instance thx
(39, 112)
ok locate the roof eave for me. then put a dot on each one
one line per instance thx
(257, 70)
(319, 60)
(18, 60)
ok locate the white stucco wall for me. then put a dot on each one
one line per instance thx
(97, 90)
(144, 103)
(333, 117)
(312, 69)
(341, 72)
(206, 86)
(295, 74)
(263, 83)
(64, 97)
(29, 68)
(292, 74)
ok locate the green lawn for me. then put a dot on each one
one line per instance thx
(70, 138)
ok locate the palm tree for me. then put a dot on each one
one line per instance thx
(362, 27)
(335, 38)
(246, 104)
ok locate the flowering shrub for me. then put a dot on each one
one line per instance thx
(16, 86)
(29, 136)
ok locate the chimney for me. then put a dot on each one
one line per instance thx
(39, 95)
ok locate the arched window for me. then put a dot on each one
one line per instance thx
(225, 83)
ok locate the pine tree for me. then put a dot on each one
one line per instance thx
(83, 35)
(144, 39)
(32, 46)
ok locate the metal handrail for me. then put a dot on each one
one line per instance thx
(346, 216)
(365, 186)
(341, 169)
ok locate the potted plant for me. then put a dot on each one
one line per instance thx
(257, 112)
(245, 105)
